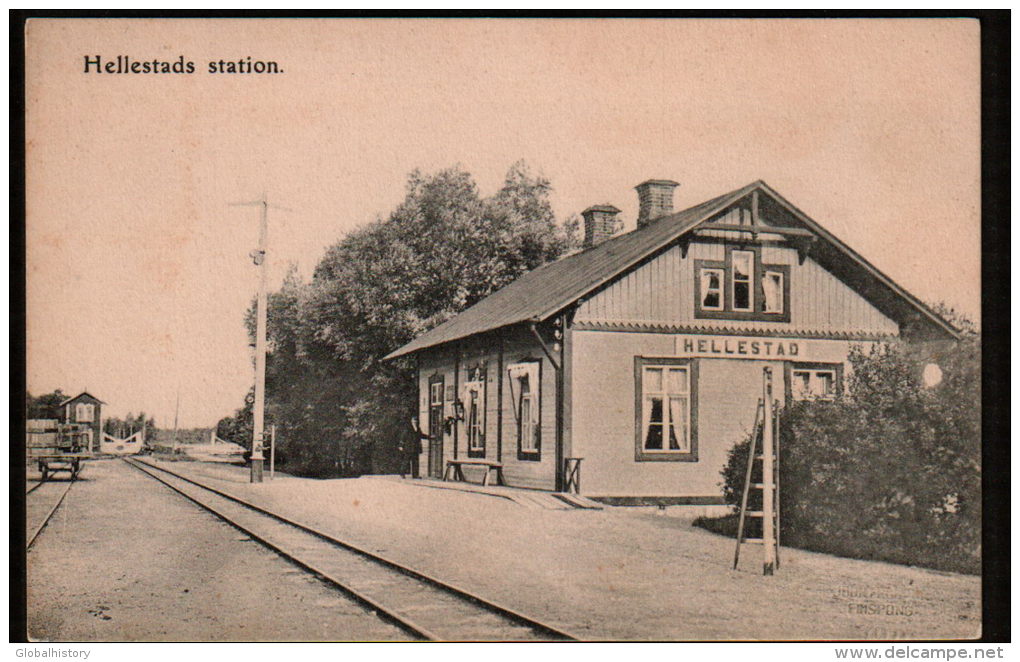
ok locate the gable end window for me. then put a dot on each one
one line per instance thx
(773, 291)
(742, 280)
(711, 281)
(665, 410)
(741, 287)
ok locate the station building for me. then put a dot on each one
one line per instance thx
(626, 371)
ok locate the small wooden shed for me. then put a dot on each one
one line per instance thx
(85, 409)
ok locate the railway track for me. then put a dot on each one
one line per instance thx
(46, 497)
(424, 606)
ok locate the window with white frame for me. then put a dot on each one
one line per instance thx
(474, 415)
(815, 382)
(743, 273)
(742, 287)
(712, 288)
(666, 405)
(772, 291)
(434, 411)
(525, 394)
(84, 413)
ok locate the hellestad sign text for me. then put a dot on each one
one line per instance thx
(741, 347)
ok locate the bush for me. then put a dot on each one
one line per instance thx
(889, 471)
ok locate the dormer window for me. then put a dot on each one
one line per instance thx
(741, 287)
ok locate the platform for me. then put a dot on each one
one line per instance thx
(536, 499)
(591, 571)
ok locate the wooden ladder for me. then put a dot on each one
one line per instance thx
(766, 422)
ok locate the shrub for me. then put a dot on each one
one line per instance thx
(889, 471)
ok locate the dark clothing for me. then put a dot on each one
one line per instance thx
(409, 449)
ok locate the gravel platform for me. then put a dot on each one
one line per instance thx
(619, 573)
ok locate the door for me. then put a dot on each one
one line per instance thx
(436, 426)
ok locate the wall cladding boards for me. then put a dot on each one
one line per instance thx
(529, 473)
(500, 439)
(661, 292)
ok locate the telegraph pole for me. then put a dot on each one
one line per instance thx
(259, 406)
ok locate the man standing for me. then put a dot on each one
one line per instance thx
(410, 449)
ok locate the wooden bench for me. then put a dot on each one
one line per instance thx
(455, 467)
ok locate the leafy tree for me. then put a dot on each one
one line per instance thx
(44, 406)
(237, 429)
(339, 409)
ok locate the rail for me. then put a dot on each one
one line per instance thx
(467, 604)
(49, 514)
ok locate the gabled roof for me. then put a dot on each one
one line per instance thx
(550, 288)
(80, 395)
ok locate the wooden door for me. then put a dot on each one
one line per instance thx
(436, 426)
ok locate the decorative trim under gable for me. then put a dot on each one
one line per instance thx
(670, 327)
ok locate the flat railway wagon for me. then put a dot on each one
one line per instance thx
(61, 447)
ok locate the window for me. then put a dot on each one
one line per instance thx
(474, 413)
(435, 405)
(525, 391)
(743, 270)
(436, 394)
(815, 381)
(84, 413)
(712, 289)
(741, 287)
(665, 409)
(527, 425)
(772, 289)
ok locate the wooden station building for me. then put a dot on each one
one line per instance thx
(632, 366)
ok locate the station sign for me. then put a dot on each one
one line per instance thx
(741, 347)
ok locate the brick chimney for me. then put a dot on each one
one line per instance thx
(655, 199)
(600, 223)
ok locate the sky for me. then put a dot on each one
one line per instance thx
(138, 274)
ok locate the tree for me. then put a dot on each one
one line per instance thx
(339, 408)
(44, 406)
(129, 425)
(237, 429)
